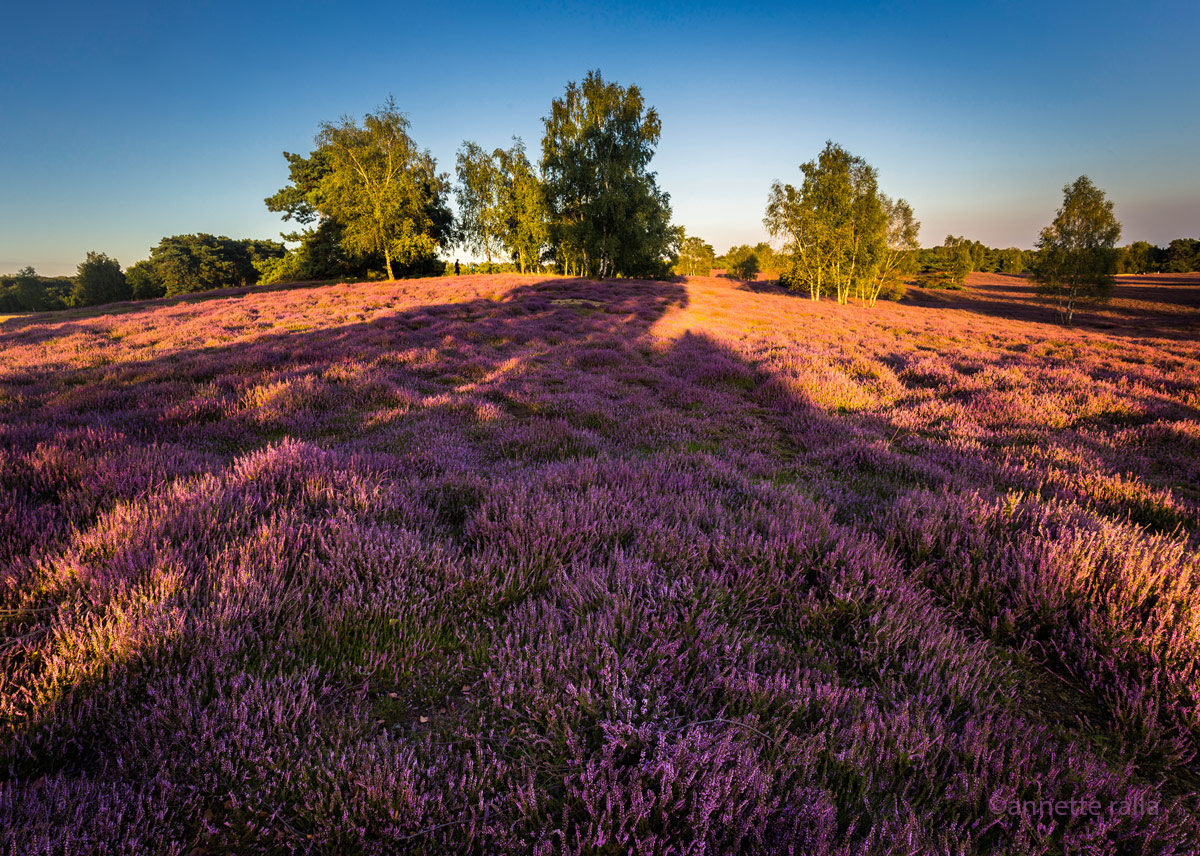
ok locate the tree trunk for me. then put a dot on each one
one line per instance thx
(387, 259)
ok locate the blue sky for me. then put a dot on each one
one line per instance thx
(125, 122)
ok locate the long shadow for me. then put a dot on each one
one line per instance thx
(557, 370)
(1153, 310)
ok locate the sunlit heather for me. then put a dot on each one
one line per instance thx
(532, 564)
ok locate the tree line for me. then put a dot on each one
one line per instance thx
(369, 202)
(180, 264)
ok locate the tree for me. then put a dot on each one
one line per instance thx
(1138, 257)
(898, 252)
(695, 257)
(523, 227)
(1077, 254)
(145, 283)
(383, 195)
(480, 216)
(607, 214)
(740, 262)
(947, 266)
(183, 264)
(1011, 260)
(834, 224)
(1182, 256)
(98, 279)
(30, 291)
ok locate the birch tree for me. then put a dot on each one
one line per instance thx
(607, 214)
(478, 192)
(834, 224)
(384, 192)
(1077, 254)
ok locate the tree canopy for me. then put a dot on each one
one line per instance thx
(181, 264)
(607, 215)
(478, 192)
(696, 257)
(523, 227)
(381, 195)
(1077, 256)
(99, 280)
(835, 226)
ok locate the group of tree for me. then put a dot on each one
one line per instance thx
(183, 264)
(26, 291)
(180, 264)
(947, 266)
(842, 237)
(371, 202)
(501, 205)
(1181, 255)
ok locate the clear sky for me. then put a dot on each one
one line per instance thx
(124, 122)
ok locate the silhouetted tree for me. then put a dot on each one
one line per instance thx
(144, 280)
(30, 291)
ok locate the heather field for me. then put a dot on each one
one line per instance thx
(531, 565)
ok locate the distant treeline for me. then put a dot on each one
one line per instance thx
(370, 203)
(180, 264)
(944, 266)
(959, 256)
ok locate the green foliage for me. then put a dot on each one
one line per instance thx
(30, 291)
(320, 255)
(1011, 260)
(182, 264)
(385, 192)
(835, 225)
(1182, 256)
(696, 258)
(741, 262)
(607, 214)
(524, 230)
(947, 266)
(478, 192)
(1077, 255)
(99, 280)
(26, 291)
(383, 196)
(898, 255)
(145, 283)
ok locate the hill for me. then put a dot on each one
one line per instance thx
(518, 564)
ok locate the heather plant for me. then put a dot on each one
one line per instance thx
(505, 564)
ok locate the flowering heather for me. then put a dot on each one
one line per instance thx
(527, 565)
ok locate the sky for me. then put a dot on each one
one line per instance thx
(121, 123)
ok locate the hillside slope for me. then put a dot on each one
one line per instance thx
(517, 564)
